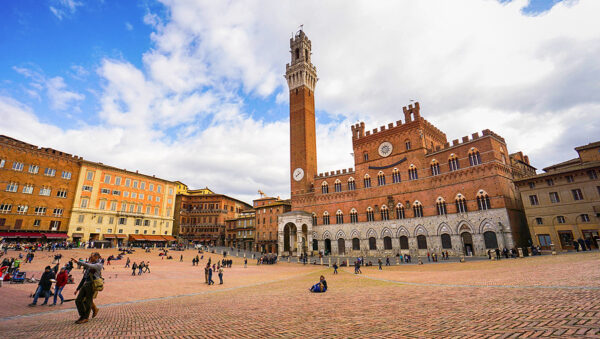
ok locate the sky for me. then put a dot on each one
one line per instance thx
(194, 90)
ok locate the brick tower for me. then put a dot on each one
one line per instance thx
(301, 76)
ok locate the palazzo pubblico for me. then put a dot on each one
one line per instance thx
(410, 191)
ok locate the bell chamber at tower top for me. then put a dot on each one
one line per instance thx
(300, 72)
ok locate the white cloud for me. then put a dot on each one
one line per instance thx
(473, 64)
(63, 8)
(128, 26)
(60, 97)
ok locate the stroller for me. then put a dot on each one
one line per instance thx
(18, 278)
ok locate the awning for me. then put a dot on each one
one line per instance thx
(136, 237)
(56, 235)
(154, 238)
(20, 235)
(109, 236)
(121, 236)
(169, 237)
(77, 235)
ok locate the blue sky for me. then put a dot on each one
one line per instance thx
(193, 91)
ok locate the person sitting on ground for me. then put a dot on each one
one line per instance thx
(319, 287)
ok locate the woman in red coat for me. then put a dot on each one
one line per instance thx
(61, 282)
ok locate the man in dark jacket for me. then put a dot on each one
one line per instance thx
(85, 290)
(44, 286)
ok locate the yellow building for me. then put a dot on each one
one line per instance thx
(562, 205)
(115, 207)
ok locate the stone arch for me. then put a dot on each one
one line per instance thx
(444, 228)
(340, 234)
(315, 235)
(402, 231)
(371, 233)
(386, 233)
(487, 225)
(355, 234)
(463, 226)
(326, 235)
(420, 230)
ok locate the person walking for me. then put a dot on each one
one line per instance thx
(140, 268)
(220, 275)
(147, 267)
(380, 264)
(335, 267)
(181, 258)
(206, 273)
(133, 268)
(85, 290)
(210, 272)
(61, 282)
(44, 286)
(127, 263)
(245, 262)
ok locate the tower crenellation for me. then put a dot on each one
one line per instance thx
(301, 72)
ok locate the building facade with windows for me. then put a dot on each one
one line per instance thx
(240, 232)
(562, 204)
(38, 187)
(116, 207)
(410, 191)
(201, 215)
(267, 211)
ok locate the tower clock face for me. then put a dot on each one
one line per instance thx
(298, 174)
(385, 149)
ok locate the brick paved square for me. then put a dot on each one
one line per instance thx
(543, 296)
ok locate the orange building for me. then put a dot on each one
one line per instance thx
(267, 211)
(113, 207)
(240, 231)
(38, 188)
(202, 214)
(410, 191)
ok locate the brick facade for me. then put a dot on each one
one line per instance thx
(461, 190)
(202, 215)
(38, 186)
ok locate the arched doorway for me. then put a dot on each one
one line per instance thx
(446, 241)
(467, 240)
(315, 245)
(341, 246)
(421, 242)
(355, 244)
(372, 243)
(490, 240)
(403, 242)
(327, 246)
(289, 238)
(387, 243)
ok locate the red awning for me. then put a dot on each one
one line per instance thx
(109, 236)
(136, 237)
(20, 235)
(169, 237)
(121, 236)
(154, 238)
(56, 235)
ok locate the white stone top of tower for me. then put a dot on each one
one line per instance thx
(301, 71)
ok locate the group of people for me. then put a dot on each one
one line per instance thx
(209, 270)
(268, 259)
(434, 256)
(142, 267)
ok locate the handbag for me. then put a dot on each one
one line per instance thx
(98, 284)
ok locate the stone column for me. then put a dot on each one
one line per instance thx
(457, 245)
(395, 245)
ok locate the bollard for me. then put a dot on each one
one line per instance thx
(289, 259)
(397, 260)
(329, 264)
(321, 261)
(338, 261)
